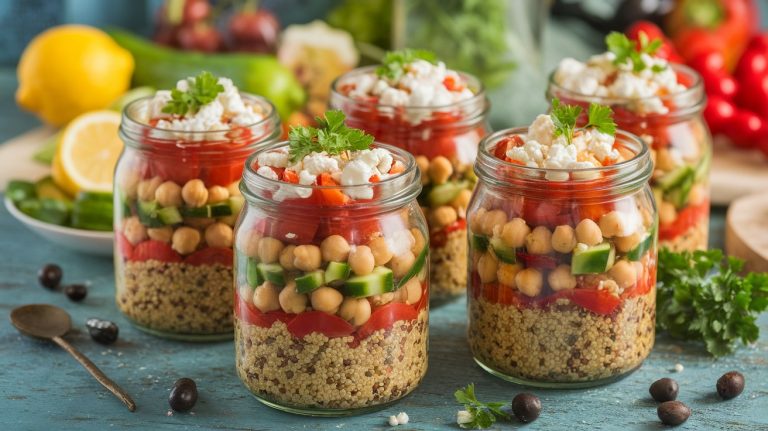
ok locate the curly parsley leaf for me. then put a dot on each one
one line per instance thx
(600, 117)
(628, 51)
(701, 296)
(480, 415)
(203, 89)
(331, 135)
(395, 62)
(564, 117)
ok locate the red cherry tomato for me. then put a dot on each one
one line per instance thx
(317, 321)
(195, 11)
(754, 94)
(254, 31)
(253, 316)
(211, 256)
(755, 58)
(385, 316)
(711, 61)
(744, 129)
(719, 112)
(199, 37)
(154, 250)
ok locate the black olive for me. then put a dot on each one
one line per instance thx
(76, 292)
(730, 385)
(102, 331)
(673, 412)
(49, 276)
(183, 395)
(526, 407)
(664, 390)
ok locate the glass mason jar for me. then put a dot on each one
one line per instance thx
(176, 203)
(681, 151)
(314, 334)
(444, 140)
(555, 298)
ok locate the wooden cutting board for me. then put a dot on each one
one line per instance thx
(746, 231)
(736, 172)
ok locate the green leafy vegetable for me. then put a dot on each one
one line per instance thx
(701, 296)
(394, 62)
(331, 136)
(626, 50)
(478, 415)
(202, 90)
(600, 117)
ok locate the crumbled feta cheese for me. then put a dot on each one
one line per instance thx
(464, 417)
(679, 368)
(275, 159)
(307, 178)
(318, 163)
(402, 418)
(267, 172)
(542, 129)
(400, 242)
(357, 172)
(393, 422)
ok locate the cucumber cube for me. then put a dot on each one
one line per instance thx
(272, 272)
(310, 281)
(380, 280)
(594, 260)
(336, 273)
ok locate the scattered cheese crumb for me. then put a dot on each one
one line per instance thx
(463, 417)
(679, 368)
(401, 419)
(393, 422)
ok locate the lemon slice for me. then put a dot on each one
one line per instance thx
(88, 152)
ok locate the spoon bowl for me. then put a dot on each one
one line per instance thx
(41, 321)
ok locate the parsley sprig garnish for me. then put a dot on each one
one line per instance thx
(203, 89)
(702, 296)
(394, 62)
(478, 414)
(331, 135)
(564, 117)
(627, 50)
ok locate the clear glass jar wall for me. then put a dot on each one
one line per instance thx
(332, 301)
(556, 299)
(176, 203)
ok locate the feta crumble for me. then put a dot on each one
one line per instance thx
(399, 419)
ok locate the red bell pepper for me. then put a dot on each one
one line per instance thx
(752, 74)
(666, 51)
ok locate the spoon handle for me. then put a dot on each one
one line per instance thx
(97, 373)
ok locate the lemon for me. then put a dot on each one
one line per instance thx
(87, 153)
(69, 70)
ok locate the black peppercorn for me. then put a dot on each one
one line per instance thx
(183, 395)
(49, 276)
(730, 385)
(76, 292)
(526, 407)
(102, 331)
(664, 390)
(673, 412)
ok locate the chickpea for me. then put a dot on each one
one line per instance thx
(194, 193)
(291, 301)
(476, 220)
(623, 273)
(442, 216)
(664, 160)
(419, 241)
(491, 220)
(697, 194)
(384, 298)
(539, 241)
(234, 189)
(129, 184)
(440, 169)
(412, 291)
(162, 234)
(487, 266)
(307, 257)
(134, 231)
(561, 278)
(185, 240)
(335, 249)
(168, 194)
(380, 250)
(287, 257)
(507, 272)
(564, 239)
(146, 188)
(513, 233)
(423, 163)
(269, 249)
(355, 311)
(218, 235)
(217, 194)
(529, 281)
(612, 224)
(266, 297)
(361, 260)
(588, 232)
(626, 243)
(667, 213)
(249, 243)
(461, 201)
(401, 264)
(326, 299)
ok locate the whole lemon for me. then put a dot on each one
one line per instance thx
(71, 69)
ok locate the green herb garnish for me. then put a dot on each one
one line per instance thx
(564, 117)
(202, 90)
(600, 117)
(478, 414)
(625, 49)
(395, 61)
(331, 135)
(701, 296)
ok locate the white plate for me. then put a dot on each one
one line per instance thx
(87, 241)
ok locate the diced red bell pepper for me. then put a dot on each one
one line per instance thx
(597, 301)
(331, 197)
(210, 256)
(686, 219)
(440, 238)
(386, 316)
(154, 250)
(253, 316)
(329, 325)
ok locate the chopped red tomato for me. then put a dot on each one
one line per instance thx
(538, 261)
(290, 177)
(211, 256)
(452, 84)
(317, 321)
(222, 175)
(596, 301)
(386, 316)
(180, 168)
(291, 228)
(331, 196)
(686, 219)
(124, 246)
(506, 144)
(154, 250)
(440, 238)
(253, 316)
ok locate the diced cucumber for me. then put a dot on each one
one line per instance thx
(479, 242)
(169, 215)
(336, 273)
(702, 169)
(675, 177)
(502, 251)
(381, 280)
(678, 196)
(418, 264)
(94, 196)
(147, 212)
(252, 275)
(19, 190)
(207, 211)
(272, 272)
(92, 214)
(593, 260)
(236, 204)
(310, 281)
(46, 188)
(644, 245)
(444, 193)
(48, 210)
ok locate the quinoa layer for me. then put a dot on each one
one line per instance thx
(695, 238)
(448, 267)
(564, 343)
(326, 373)
(176, 297)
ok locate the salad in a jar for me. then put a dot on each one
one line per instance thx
(414, 102)
(177, 200)
(562, 251)
(662, 103)
(332, 273)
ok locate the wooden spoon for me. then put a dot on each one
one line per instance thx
(49, 322)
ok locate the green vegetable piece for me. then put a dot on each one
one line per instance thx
(310, 281)
(444, 193)
(47, 152)
(594, 260)
(202, 90)
(336, 273)
(502, 251)
(381, 280)
(418, 264)
(147, 212)
(331, 135)
(628, 51)
(169, 216)
(479, 242)
(47, 210)
(92, 214)
(46, 188)
(208, 211)
(702, 169)
(272, 272)
(19, 190)
(481, 415)
(236, 204)
(252, 274)
(395, 62)
(94, 196)
(676, 177)
(641, 248)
